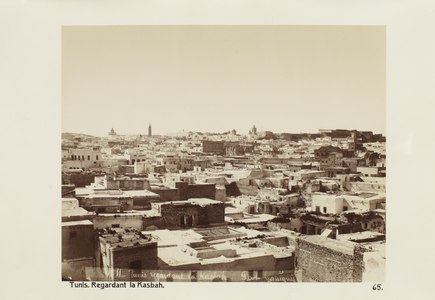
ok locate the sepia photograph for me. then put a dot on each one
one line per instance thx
(217, 149)
(223, 153)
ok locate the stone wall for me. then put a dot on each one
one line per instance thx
(318, 263)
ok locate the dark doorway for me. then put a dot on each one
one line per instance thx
(183, 221)
(189, 221)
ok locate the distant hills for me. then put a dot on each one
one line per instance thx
(70, 135)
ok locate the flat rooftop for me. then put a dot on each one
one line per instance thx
(162, 187)
(74, 212)
(361, 196)
(364, 196)
(122, 214)
(124, 238)
(309, 171)
(218, 233)
(342, 246)
(82, 191)
(185, 255)
(255, 218)
(233, 210)
(374, 180)
(363, 235)
(249, 233)
(70, 199)
(167, 237)
(194, 201)
(77, 223)
(378, 247)
(121, 194)
(176, 256)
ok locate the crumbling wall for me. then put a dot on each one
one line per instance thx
(358, 263)
(321, 264)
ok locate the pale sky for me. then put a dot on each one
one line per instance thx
(218, 78)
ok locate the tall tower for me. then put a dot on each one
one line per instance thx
(149, 131)
(254, 130)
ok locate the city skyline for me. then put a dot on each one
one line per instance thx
(201, 78)
(145, 133)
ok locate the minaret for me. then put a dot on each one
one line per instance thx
(149, 131)
(254, 130)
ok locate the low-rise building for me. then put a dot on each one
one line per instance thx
(233, 254)
(82, 158)
(102, 201)
(195, 212)
(77, 249)
(368, 171)
(72, 212)
(125, 249)
(337, 203)
(321, 259)
(130, 219)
